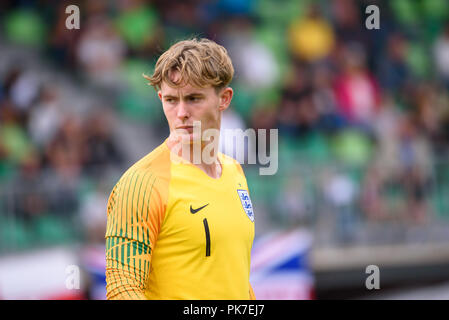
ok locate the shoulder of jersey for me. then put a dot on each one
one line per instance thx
(157, 162)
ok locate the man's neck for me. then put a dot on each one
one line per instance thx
(195, 155)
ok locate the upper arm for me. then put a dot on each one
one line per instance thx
(135, 214)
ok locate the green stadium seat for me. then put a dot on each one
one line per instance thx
(137, 25)
(280, 12)
(418, 59)
(14, 235)
(51, 230)
(25, 26)
(405, 11)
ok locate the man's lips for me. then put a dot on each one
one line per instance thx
(188, 128)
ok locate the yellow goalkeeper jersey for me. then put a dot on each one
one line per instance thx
(173, 232)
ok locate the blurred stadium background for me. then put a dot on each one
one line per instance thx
(363, 119)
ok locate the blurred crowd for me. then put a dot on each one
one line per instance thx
(338, 92)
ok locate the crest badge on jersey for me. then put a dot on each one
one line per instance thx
(246, 203)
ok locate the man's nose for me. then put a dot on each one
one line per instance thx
(182, 111)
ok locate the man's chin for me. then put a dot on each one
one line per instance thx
(190, 139)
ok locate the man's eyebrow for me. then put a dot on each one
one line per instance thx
(195, 94)
(169, 96)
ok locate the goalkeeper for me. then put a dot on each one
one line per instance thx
(178, 228)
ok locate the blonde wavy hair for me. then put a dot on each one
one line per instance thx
(201, 63)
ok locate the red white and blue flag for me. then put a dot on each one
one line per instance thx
(280, 267)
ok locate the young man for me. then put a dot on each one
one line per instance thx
(180, 221)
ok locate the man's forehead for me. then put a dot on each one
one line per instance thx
(184, 89)
(185, 86)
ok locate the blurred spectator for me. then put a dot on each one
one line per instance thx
(255, 65)
(65, 155)
(101, 145)
(13, 137)
(356, 89)
(325, 100)
(92, 212)
(340, 191)
(295, 89)
(387, 133)
(30, 202)
(45, 118)
(312, 37)
(6, 168)
(371, 200)
(295, 201)
(10, 79)
(231, 133)
(349, 26)
(441, 53)
(101, 51)
(63, 42)
(182, 19)
(22, 89)
(67, 152)
(428, 109)
(416, 162)
(393, 70)
(287, 117)
(442, 139)
(299, 114)
(307, 113)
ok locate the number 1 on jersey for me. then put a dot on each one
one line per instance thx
(206, 229)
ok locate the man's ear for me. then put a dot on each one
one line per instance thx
(225, 98)
(159, 94)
